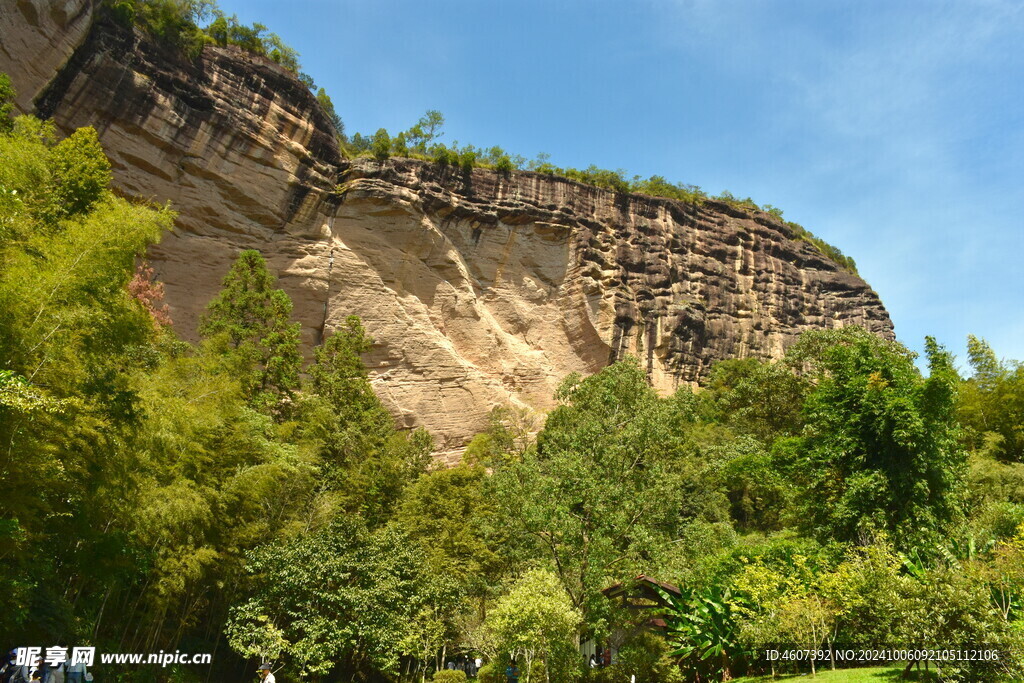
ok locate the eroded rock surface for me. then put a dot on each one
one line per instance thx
(481, 289)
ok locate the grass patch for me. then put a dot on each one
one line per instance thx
(867, 675)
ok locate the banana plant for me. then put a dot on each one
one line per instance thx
(702, 629)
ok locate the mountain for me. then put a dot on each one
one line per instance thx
(480, 288)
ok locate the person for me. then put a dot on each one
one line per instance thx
(266, 675)
(54, 673)
(13, 672)
(593, 661)
(76, 672)
(512, 673)
(23, 673)
(9, 668)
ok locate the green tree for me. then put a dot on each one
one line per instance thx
(381, 145)
(279, 52)
(424, 132)
(399, 147)
(866, 589)
(70, 338)
(338, 373)
(211, 480)
(757, 397)
(606, 486)
(80, 173)
(218, 30)
(760, 494)
(252, 316)
(432, 123)
(173, 22)
(467, 159)
(537, 622)
(992, 404)
(449, 513)
(325, 101)
(879, 452)
(339, 599)
(366, 463)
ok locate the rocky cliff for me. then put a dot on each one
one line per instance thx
(480, 288)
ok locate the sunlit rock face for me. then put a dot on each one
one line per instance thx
(480, 288)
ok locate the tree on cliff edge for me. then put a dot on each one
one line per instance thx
(251, 316)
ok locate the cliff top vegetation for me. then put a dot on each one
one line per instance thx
(190, 25)
(422, 141)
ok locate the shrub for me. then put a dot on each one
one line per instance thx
(6, 103)
(399, 147)
(952, 606)
(450, 676)
(441, 155)
(647, 657)
(81, 173)
(488, 673)
(123, 11)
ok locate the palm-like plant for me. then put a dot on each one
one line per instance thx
(702, 630)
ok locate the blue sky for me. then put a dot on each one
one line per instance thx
(894, 130)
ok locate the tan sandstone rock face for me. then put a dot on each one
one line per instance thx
(37, 37)
(481, 289)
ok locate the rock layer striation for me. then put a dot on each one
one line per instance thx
(480, 288)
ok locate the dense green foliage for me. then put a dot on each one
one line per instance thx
(879, 450)
(179, 23)
(337, 596)
(249, 319)
(70, 339)
(220, 497)
(143, 475)
(993, 403)
(606, 484)
(6, 103)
